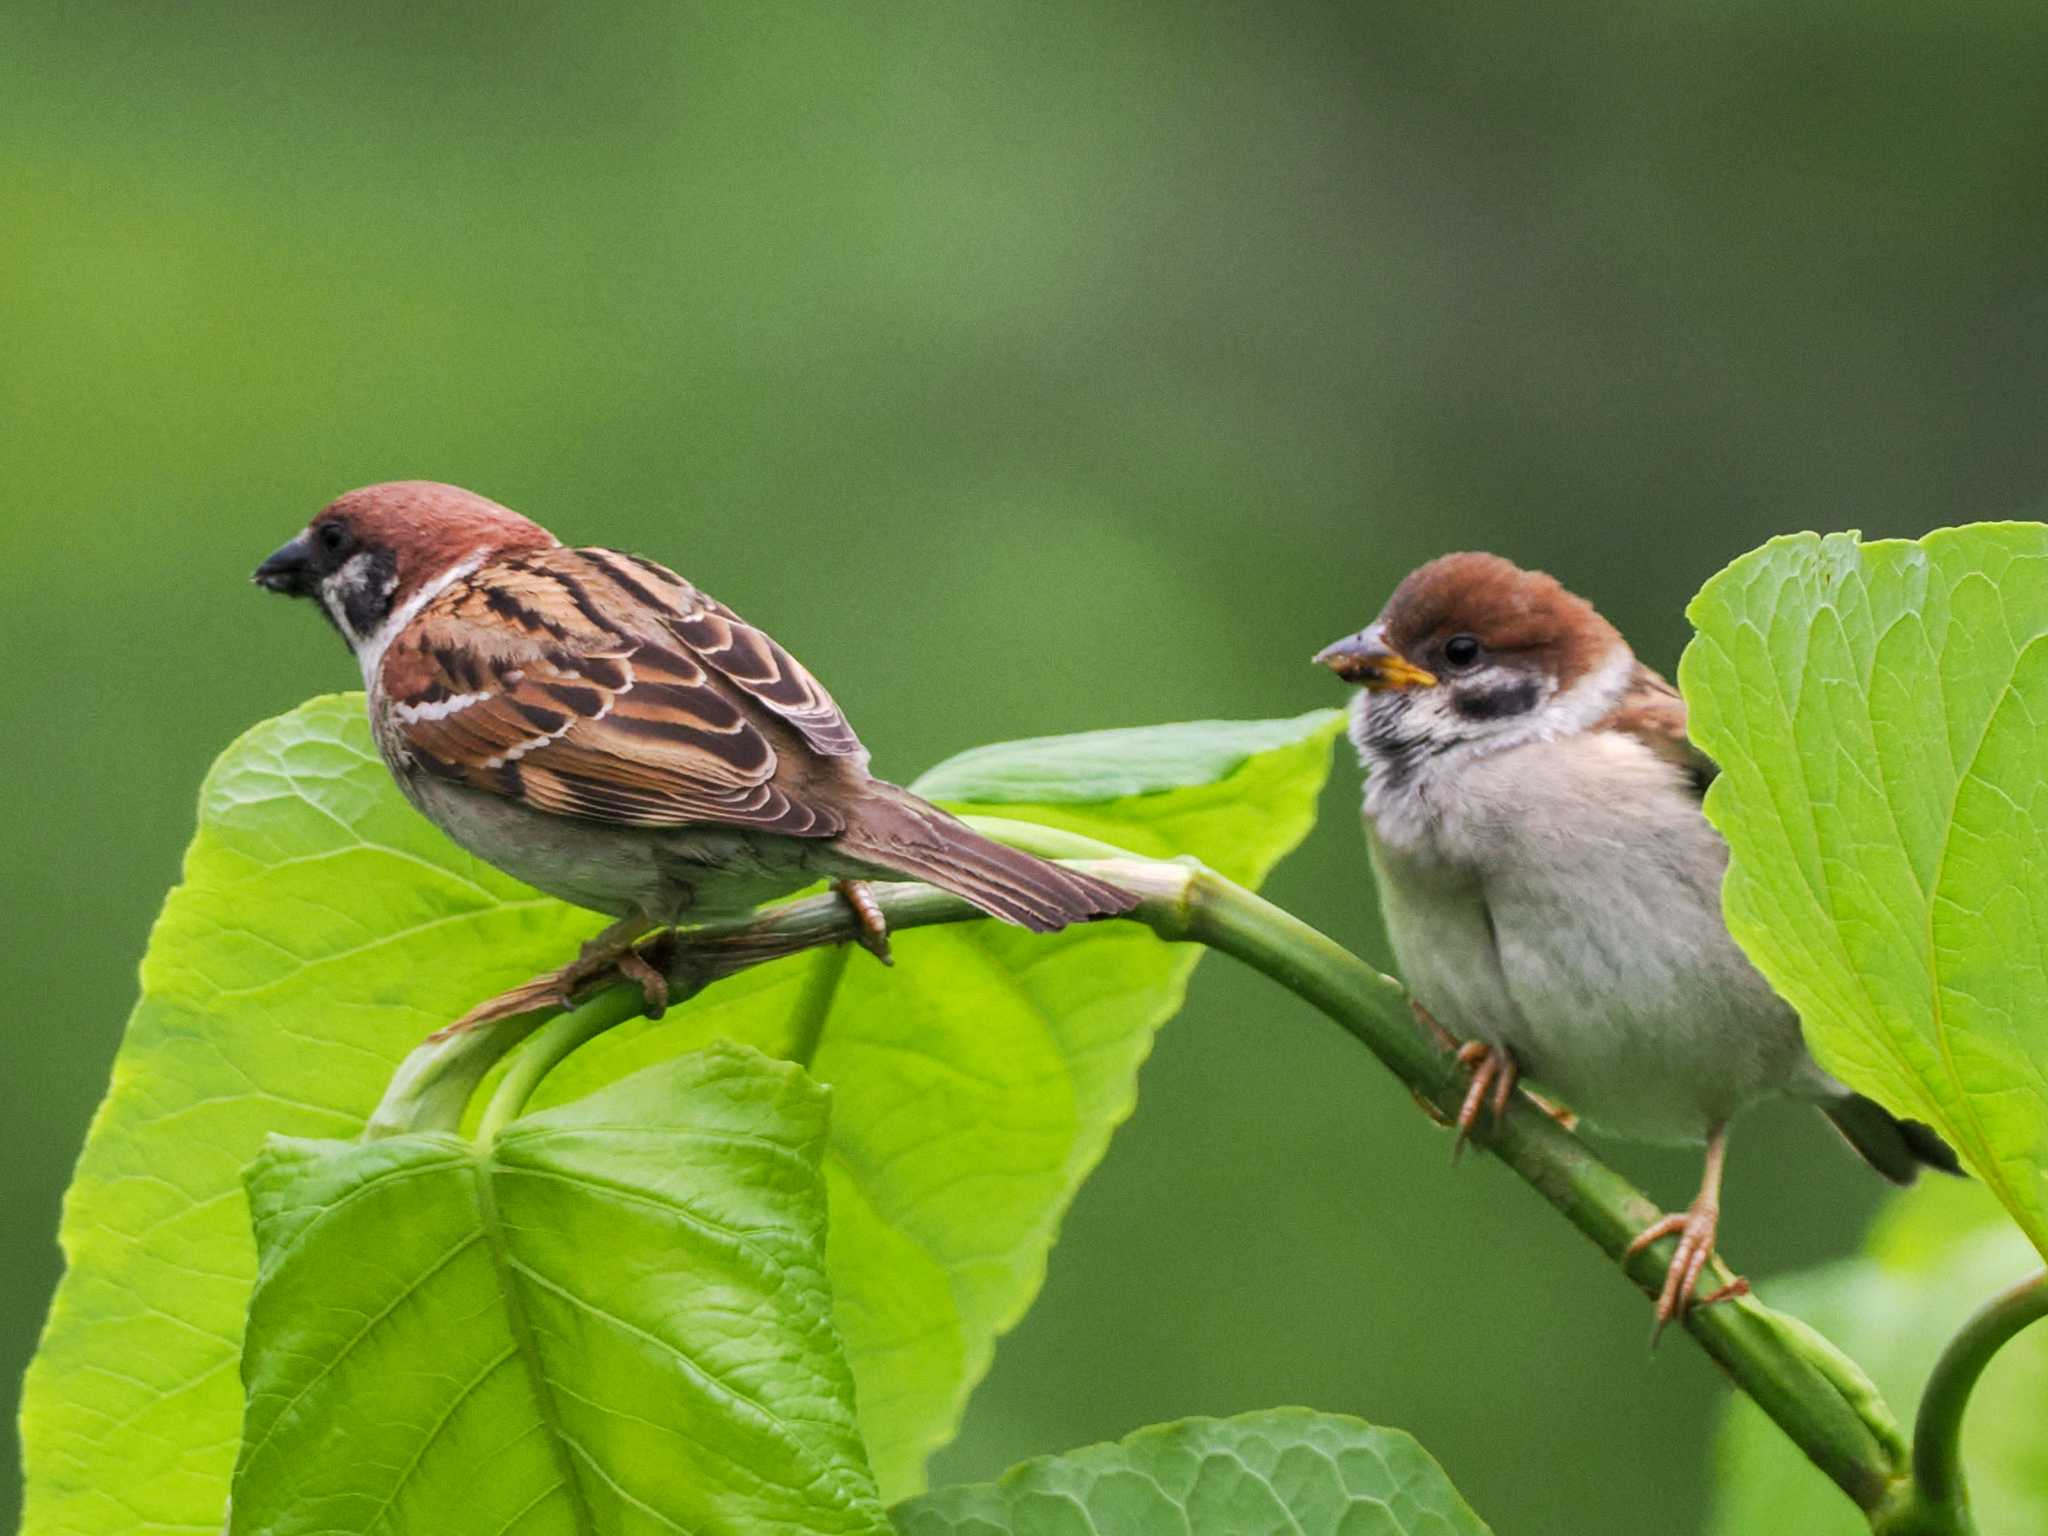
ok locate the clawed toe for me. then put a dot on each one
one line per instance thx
(1696, 1228)
(874, 926)
(634, 966)
(1494, 1073)
(611, 953)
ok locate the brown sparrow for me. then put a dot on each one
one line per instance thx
(1552, 888)
(592, 724)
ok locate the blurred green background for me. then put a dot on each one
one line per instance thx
(1025, 369)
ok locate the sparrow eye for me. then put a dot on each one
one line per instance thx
(332, 537)
(1461, 650)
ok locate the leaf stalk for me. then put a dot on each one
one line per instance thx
(1935, 1502)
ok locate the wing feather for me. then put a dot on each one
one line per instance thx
(594, 684)
(1653, 712)
(745, 657)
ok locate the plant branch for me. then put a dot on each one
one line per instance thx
(550, 1046)
(1816, 1395)
(1937, 1430)
(1935, 1502)
(1792, 1373)
(814, 1003)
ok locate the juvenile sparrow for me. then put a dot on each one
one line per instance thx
(592, 724)
(1552, 888)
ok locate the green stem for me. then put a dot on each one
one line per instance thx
(1816, 1395)
(1936, 1503)
(814, 1003)
(1775, 1364)
(549, 1047)
(433, 1086)
(1937, 1431)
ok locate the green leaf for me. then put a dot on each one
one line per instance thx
(1115, 765)
(977, 1082)
(323, 928)
(1283, 1471)
(1941, 1251)
(1878, 711)
(615, 1317)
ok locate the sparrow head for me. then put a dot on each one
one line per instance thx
(380, 550)
(1471, 648)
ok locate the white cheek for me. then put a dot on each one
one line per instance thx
(352, 580)
(335, 600)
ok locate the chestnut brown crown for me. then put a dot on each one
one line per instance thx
(372, 550)
(1525, 617)
(429, 526)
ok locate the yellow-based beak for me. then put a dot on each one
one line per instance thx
(1366, 659)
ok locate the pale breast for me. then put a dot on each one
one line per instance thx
(688, 873)
(1599, 881)
(1443, 940)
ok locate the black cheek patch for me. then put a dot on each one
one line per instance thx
(367, 602)
(1497, 703)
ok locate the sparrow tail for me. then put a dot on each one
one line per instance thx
(1895, 1147)
(898, 831)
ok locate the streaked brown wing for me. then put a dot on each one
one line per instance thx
(739, 653)
(589, 684)
(1653, 712)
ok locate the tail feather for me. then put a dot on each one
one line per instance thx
(1895, 1147)
(898, 831)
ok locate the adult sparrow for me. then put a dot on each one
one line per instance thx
(592, 724)
(1552, 889)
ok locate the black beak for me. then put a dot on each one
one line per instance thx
(289, 571)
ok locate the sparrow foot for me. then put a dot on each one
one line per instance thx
(1468, 1054)
(1695, 1229)
(634, 966)
(610, 953)
(1494, 1073)
(874, 927)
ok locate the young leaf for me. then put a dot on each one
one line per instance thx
(1285, 1470)
(1877, 711)
(1940, 1251)
(323, 928)
(614, 1317)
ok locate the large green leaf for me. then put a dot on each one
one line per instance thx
(1113, 766)
(979, 1079)
(1880, 713)
(322, 928)
(1941, 1250)
(1288, 1472)
(613, 1317)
